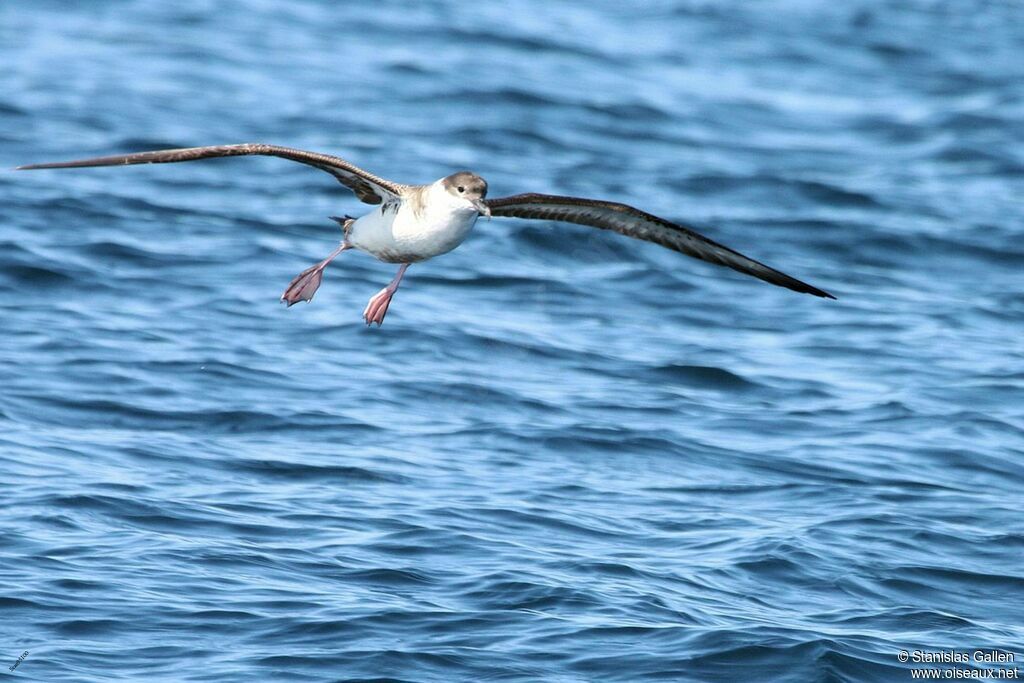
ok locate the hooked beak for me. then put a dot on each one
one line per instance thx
(481, 207)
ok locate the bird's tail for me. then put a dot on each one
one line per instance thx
(345, 222)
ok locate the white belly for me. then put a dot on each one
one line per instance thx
(405, 236)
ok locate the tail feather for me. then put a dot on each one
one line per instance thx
(345, 222)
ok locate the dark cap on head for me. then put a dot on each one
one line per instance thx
(466, 184)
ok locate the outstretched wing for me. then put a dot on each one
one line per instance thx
(632, 222)
(368, 187)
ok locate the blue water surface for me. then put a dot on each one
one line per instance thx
(567, 455)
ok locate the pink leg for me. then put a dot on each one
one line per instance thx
(305, 284)
(379, 302)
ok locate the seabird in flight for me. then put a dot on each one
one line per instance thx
(417, 222)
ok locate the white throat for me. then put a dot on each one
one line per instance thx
(439, 200)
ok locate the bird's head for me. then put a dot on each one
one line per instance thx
(469, 188)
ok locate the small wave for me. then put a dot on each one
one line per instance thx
(88, 627)
(37, 276)
(127, 145)
(303, 471)
(134, 416)
(18, 603)
(389, 577)
(108, 251)
(634, 112)
(11, 110)
(705, 376)
(815, 190)
(501, 592)
(515, 42)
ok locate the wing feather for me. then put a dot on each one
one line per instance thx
(366, 186)
(632, 222)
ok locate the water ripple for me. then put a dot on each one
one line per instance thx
(567, 455)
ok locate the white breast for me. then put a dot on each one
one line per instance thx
(420, 227)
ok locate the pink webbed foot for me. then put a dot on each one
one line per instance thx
(305, 284)
(377, 308)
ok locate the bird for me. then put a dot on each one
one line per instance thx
(413, 223)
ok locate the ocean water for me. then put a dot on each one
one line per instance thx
(566, 456)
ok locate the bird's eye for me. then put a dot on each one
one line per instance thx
(462, 189)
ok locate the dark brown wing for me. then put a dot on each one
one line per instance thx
(631, 222)
(368, 187)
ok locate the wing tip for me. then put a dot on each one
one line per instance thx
(36, 167)
(804, 288)
(821, 293)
